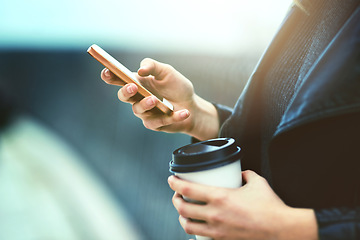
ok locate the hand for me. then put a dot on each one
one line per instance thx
(253, 211)
(192, 115)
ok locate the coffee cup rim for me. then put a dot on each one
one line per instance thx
(192, 162)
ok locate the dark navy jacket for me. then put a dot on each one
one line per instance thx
(314, 155)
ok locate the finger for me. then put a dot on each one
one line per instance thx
(249, 176)
(160, 122)
(193, 227)
(110, 78)
(144, 80)
(144, 105)
(127, 92)
(191, 190)
(189, 209)
(149, 66)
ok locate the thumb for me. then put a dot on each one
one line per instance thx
(149, 66)
(249, 176)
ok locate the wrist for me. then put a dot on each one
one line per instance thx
(205, 121)
(298, 224)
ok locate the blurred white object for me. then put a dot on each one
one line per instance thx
(47, 192)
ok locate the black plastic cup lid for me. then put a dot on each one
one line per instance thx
(204, 155)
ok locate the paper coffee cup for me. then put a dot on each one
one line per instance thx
(214, 162)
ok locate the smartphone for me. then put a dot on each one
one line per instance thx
(126, 76)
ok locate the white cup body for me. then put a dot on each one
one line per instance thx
(227, 176)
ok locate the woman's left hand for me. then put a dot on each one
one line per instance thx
(253, 211)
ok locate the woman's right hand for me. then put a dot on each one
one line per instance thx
(192, 115)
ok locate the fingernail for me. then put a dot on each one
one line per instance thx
(184, 114)
(129, 89)
(169, 178)
(182, 219)
(150, 101)
(107, 73)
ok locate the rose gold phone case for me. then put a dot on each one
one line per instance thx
(124, 74)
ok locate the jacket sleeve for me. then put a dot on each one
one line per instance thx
(338, 223)
(224, 112)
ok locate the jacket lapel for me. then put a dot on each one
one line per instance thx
(332, 86)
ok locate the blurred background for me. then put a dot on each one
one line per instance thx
(74, 162)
